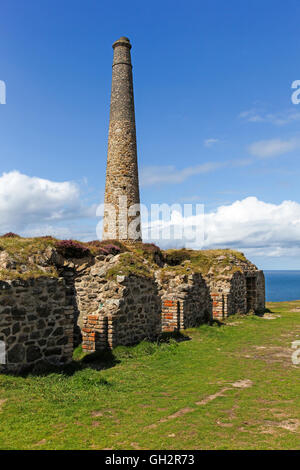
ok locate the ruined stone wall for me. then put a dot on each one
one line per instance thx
(39, 317)
(186, 302)
(36, 322)
(236, 298)
(219, 289)
(88, 287)
(261, 292)
(138, 314)
(129, 310)
(241, 292)
(133, 308)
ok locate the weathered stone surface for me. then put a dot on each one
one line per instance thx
(131, 308)
(6, 261)
(33, 353)
(122, 168)
(38, 317)
(26, 326)
(16, 354)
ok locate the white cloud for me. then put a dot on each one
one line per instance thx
(151, 175)
(210, 142)
(170, 174)
(273, 147)
(254, 223)
(35, 206)
(251, 225)
(57, 231)
(278, 119)
(26, 200)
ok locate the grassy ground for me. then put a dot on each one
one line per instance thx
(228, 387)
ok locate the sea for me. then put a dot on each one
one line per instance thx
(282, 285)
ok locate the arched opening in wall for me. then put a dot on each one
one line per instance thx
(251, 292)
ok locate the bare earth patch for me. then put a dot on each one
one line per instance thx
(224, 425)
(40, 443)
(212, 397)
(102, 413)
(135, 445)
(244, 383)
(271, 354)
(178, 413)
(291, 425)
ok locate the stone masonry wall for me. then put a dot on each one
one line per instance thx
(236, 298)
(185, 302)
(138, 314)
(36, 322)
(129, 310)
(39, 317)
(122, 167)
(259, 303)
(89, 285)
(133, 308)
(241, 293)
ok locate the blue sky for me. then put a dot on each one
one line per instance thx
(215, 121)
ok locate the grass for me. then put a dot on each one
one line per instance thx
(178, 262)
(203, 261)
(141, 259)
(129, 263)
(21, 250)
(228, 387)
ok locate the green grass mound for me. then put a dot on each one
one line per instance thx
(27, 257)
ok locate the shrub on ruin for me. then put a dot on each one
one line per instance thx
(176, 257)
(95, 243)
(10, 235)
(110, 249)
(105, 247)
(150, 248)
(72, 249)
(152, 252)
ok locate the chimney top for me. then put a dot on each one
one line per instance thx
(123, 41)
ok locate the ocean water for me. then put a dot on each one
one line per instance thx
(282, 285)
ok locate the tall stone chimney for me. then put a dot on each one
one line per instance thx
(122, 184)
